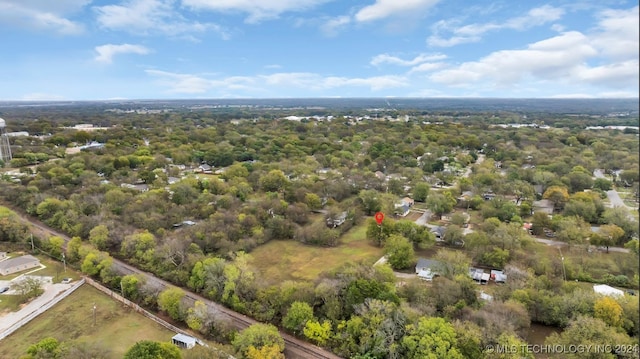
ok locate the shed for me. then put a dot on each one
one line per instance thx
(607, 290)
(498, 276)
(14, 265)
(184, 341)
(479, 275)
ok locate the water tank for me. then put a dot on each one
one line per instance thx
(2, 123)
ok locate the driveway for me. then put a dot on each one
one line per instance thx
(50, 292)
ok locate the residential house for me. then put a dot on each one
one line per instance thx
(402, 209)
(427, 269)
(488, 196)
(18, 264)
(408, 201)
(205, 168)
(543, 205)
(137, 187)
(172, 180)
(438, 232)
(334, 222)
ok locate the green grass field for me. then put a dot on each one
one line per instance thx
(278, 261)
(117, 327)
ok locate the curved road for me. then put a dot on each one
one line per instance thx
(294, 347)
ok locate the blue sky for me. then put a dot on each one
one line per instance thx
(159, 49)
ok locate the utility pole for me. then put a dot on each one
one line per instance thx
(564, 274)
(64, 262)
(32, 246)
(94, 314)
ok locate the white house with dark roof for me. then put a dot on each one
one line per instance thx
(18, 264)
(427, 269)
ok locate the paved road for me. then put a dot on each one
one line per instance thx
(294, 347)
(613, 196)
(50, 292)
(467, 171)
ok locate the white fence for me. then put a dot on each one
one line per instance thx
(40, 310)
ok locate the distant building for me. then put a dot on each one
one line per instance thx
(18, 264)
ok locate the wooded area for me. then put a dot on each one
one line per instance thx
(188, 195)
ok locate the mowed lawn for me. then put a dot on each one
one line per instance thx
(278, 261)
(117, 326)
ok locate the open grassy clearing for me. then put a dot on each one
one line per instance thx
(117, 326)
(278, 261)
(9, 303)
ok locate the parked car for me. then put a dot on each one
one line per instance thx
(66, 280)
(4, 289)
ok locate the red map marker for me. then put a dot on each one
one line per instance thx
(379, 217)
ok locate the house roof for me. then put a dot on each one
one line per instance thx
(12, 262)
(428, 263)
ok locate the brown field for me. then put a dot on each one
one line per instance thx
(278, 261)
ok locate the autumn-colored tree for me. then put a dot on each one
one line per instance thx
(609, 311)
(558, 195)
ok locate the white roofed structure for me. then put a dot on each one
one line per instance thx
(184, 341)
(607, 290)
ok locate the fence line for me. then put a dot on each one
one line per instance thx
(40, 310)
(146, 313)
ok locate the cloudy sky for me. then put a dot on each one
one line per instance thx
(157, 49)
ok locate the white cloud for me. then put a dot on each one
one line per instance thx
(427, 66)
(107, 52)
(145, 17)
(474, 32)
(618, 34)
(256, 10)
(42, 15)
(199, 84)
(563, 59)
(387, 8)
(331, 27)
(389, 59)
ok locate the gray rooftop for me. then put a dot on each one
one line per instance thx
(12, 262)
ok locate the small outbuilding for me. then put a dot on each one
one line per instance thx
(18, 264)
(184, 341)
(607, 290)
